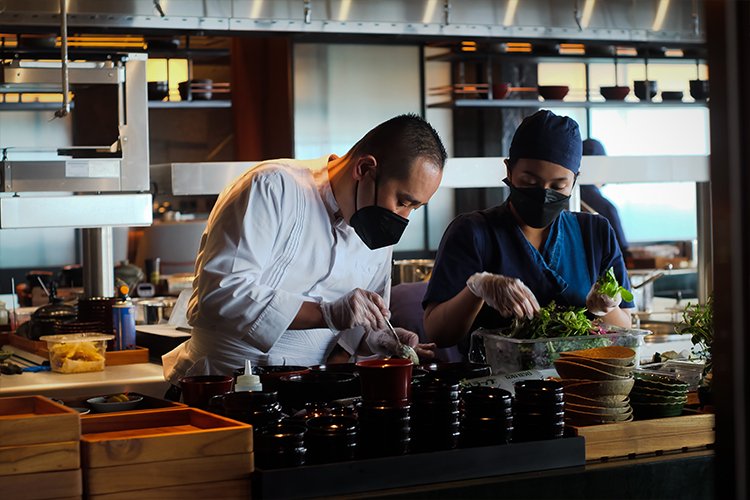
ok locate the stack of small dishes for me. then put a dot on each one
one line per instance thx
(486, 416)
(435, 417)
(538, 410)
(656, 396)
(597, 385)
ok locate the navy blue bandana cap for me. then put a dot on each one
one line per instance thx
(546, 136)
(592, 147)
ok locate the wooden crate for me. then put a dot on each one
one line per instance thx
(27, 420)
(112, 358)
(120, 451)
(44, 457)
(43, 485)
(239, 489)
(647, 436)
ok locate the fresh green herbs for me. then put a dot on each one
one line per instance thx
(609, 286)
(698, 321)
(553, 321)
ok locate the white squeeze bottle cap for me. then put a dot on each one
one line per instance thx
(248, 381)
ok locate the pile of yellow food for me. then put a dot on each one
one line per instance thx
(76, 357)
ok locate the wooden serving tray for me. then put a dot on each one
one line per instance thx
(45, 457)
(148, 403)
(239, 488)
(27, 420)
(43, 485)
(647, 436)
(112, 358)
(117, 439)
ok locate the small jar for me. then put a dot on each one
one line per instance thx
(4, 317)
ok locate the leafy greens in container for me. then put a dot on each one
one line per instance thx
(608, 285)
(536, 343)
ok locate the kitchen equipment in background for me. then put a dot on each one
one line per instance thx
(699, 89)
(671, 95)
(645, 90)
(615, 93)
(553, 92)
(158, 91)
(643, 288)
(412, 270)
(97, 309)
(202, 89)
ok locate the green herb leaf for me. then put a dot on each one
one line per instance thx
(608, 285)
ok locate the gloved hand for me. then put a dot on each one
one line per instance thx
(383, 343)
(509, 296)
(600, 304)
(356, 308)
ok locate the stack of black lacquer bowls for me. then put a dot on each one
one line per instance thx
(539, 410)
(384, 414)
(435, 414)
(486, 417)
(280, 445)
(331, 439)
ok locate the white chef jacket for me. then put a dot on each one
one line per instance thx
(275, 239)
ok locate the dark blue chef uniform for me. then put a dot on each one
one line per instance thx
(580, 248)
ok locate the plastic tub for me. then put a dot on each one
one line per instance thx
(77, 352)
(510, 355)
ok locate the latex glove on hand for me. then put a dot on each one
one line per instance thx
(357, 308)
(600, 304)
(509, 296)
(383, 343)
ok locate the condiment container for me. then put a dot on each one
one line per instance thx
(78, 352)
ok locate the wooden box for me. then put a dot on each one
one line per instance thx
(148, 403)
(27, 420)
(56, 485)
(121, 452)
(39, 449)
(647, 436)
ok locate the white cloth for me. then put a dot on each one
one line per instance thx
(274, 239)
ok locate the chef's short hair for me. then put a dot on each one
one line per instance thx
(398, 142)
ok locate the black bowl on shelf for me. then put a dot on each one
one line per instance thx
(553, 92)
(645, 89)
(157, 91)
(699, 89)
(671, 95)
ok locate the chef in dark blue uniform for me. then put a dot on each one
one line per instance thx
(503, 262)
(594, 200)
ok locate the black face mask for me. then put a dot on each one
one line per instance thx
(378, 227)
(537, 207)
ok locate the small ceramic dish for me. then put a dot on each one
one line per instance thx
(100, 404)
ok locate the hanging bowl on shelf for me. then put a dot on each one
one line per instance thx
(553, 92)
(615, 93)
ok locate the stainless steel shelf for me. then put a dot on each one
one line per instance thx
(530, 103)
(31, 106)
(189, 104)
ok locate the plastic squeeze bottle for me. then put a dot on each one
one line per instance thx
(248, 381)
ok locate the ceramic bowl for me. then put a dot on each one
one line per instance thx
(671, 95)
(615, 93)
(100, 404)
(601, 388)
(571, 369)
(612, 368)
(615, 355)
(553, 92)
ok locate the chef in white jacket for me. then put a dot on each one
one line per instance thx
(296, 255)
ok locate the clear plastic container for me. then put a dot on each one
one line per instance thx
(511, 355)
(77, 352)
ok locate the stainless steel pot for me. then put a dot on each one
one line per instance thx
(149, 312)
(412, 270)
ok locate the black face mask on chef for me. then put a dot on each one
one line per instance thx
(378, 227)
(537, 207)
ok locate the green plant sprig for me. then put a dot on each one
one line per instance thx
(608, 285)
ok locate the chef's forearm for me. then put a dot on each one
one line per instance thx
(445, 323)
(308, 317)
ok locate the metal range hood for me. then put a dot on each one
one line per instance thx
(649, 21)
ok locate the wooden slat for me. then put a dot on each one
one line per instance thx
(226, 490)
(43, 485)
(160, 435)
(127, 357)
(39, 458)
(168, 473)
(647, 436)
(34, 420)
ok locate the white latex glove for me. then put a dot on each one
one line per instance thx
(383, 343)
(509, 296)
(600, 304)
(356, 308)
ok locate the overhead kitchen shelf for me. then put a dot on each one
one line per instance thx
(189, 104)
(530, 103)
(480, 57)
(31, 106)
